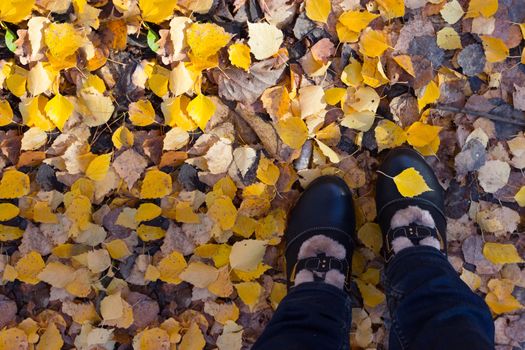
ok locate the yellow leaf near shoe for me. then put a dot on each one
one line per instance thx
(498, 253)
(410, 183)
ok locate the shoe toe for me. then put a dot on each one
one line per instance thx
(396, 161)
(327, 202)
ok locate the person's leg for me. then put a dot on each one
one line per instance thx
(430, 306)
(316, 313)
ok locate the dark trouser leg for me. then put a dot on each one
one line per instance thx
(314, 315)
(431, 307)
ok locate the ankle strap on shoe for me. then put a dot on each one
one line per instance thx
(320, 264)
(415, 233)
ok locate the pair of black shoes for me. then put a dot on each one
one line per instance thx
(326, 208)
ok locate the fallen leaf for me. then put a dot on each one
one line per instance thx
(410, 183)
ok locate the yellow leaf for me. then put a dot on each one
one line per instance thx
(371, 295)
(29, 266)
(247, 254)
(57, 274)
(471, 279)
(15, 11)
(373, 73)
(126, 218)
(182, 79)
(141, 113)
(429, 94)
(33, 139)
(244, 226)
(389, 135)
(199, 274)
(201, 109)
(14, 184)
(63, 40)
(8, 211)
(501, 306)
(154, 338)
(223, 212)
(10, 233)
(171, 266)
(13, 339)
(158, 81)
(59, 109)
(351, 23)
(117, 248)
(6, 113)
(448, 39)
(265, 39)
(452, 12)
(405, 62)
(147, 211)
(206, 39)
(152, 273)
(267, 172)
(495, 48)
(193, 339)
(51, 339)
(122, 137)
(184, 213)
(252, 275)
(500, 298)
(157, 11)
(39, 79)
(333, 96)
(361, 121)
(277, 294)
(223, 286)
(156, 184)
(175, 139)
(410, 183)
(371, 276)
(430, 149)
(520, 196)
(98, 260)
(328, 152)
(318, 10)
(150, 233)
(293, 131)
(16, 82)
(239, 55)
(98, 168)
(78, 209)
(175, 113)
(485, 8)
(249, 292)
(220, 253)
(111, 307)
(95, 107)
(370, 235)
(498, 253)
(10, 273)
(391, 8)
(351, 74)
(373, 43)
(420, 134)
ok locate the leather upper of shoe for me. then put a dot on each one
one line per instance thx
(325, 207)
(388, 198)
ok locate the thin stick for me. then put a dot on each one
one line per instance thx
(480, 114)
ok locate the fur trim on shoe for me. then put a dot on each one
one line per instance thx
(431, 242)
(321, 244)
(401, 243)
(410, 215)
(314, 246)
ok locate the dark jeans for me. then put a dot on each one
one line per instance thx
(430, 306)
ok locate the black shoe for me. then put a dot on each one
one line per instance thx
(389, 200)
(326, 208)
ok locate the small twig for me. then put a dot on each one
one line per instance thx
(480, 114)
